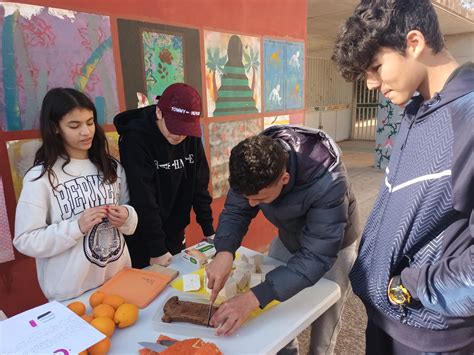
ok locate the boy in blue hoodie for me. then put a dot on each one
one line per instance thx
(415, 269)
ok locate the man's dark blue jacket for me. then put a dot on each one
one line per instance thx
(316, 213)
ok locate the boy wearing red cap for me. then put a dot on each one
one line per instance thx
(167, 173)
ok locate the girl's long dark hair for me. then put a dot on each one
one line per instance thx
(56, 104)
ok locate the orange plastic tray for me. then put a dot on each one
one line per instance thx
(136, 285)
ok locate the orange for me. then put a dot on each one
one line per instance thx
(96, 298)
(101, 348)
(114, 300)
(84, 352)
(105, 325)
(103, 310)
(126, 315)
(87, 317)
(77, 307)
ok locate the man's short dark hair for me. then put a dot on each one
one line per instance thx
(383, 23)
(256, 163)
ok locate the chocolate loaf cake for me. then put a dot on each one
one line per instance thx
(186, 311)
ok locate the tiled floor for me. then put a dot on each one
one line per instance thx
(358, 158)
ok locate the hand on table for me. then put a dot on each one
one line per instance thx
(218, 271)
(117, 215)
(163, 260)
(90, 217)
(233, 313)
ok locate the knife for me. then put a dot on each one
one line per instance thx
(152, 346)
(209, 313)
(162, 342)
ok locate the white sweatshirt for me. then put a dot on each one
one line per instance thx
(69, 263)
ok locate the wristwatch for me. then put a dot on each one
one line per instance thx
(398, 295)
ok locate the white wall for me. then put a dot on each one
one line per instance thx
(461, 46)
(335, 123)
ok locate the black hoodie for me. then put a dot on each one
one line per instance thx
(164, 180)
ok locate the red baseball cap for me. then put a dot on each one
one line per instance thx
(180, 105)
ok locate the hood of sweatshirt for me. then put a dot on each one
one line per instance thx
(311, 153)
(460, 83)
(139, 120)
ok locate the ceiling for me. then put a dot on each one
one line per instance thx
(325, 17)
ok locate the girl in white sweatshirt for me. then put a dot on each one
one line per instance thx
(71, 215)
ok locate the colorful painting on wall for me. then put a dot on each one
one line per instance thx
(297, 119)
(21, 154)
(112, 140)
(284, 75)
(153, 56)
(275, 68)
(45, 48)
(388, 123)
(275, 121)
(223, 136)
(6, 246)
(232, 74)
(163, 61)
(294, 75)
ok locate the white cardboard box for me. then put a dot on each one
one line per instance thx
(199, 254)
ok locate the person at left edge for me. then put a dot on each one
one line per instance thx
(167, 173)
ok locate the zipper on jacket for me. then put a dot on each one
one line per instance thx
(408, 133)
(395, 173)
(404, 312)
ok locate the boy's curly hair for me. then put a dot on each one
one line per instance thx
(383, 23)
(255, 163)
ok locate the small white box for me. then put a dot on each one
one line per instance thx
(199, 254)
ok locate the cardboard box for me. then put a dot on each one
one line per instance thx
(199, 254)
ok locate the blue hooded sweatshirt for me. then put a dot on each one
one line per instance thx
(422, 224)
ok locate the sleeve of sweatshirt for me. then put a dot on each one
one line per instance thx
(320, 241)
(140, 169)
(130, 224)
(446, 286)
(201, 199)
(35, 236)
(234, 222)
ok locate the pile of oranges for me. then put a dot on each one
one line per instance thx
(108, 311)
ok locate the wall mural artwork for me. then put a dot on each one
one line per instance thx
(154, 56)
(388, 123)
(295, 119)
(21, 154)
(223, 136)
(163, 61)
(112, 140)
(232, 74)
(43, 48)
(6, 246)
(294, 75)
(284, 75)
(275, 83)
(276, 120)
